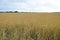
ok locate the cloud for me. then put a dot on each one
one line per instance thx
(30, 5)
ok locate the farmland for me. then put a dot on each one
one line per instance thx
(29, 26)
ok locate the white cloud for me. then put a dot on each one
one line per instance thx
(41, 5)
(33, 5)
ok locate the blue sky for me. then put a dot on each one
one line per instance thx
(30, 5)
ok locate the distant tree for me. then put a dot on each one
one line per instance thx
(6, 11)
(10, 12)
(16, 11)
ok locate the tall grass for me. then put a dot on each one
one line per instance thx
(29, 32)
(33, 27)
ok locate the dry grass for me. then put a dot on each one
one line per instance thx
(29, 26)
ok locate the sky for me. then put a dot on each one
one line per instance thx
(30, 5)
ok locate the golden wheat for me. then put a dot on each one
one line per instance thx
(29, 26)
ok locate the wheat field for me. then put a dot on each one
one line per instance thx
(29, 26)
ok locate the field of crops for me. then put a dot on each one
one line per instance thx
(29, 26)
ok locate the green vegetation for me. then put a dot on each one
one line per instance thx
(30, 26)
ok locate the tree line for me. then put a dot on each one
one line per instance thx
(9, 12)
